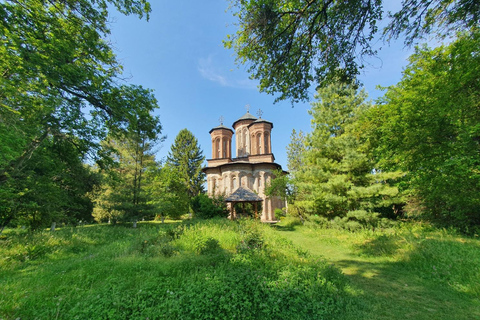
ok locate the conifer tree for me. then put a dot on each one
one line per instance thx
(338, 178)
(186, 157)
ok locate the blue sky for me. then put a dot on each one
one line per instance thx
(179, 54)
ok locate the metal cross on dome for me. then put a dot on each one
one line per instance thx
(259, 113)
(247, 107)
(221, 119)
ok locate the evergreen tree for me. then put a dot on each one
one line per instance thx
(186, 157)
(338, 178)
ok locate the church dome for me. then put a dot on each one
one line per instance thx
(220, 127)
(246, 116)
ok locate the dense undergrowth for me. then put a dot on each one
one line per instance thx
(207, 270)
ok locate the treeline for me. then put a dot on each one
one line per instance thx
(413, 153)
(74, 139)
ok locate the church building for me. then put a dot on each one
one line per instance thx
(243, 179)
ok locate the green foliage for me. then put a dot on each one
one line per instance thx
(187, 158)
(292, 44)
(205, 207)
(427, 126)
(53, 187)
(117, 272)
(58, 86)
(169, 194)
(296, 152)
(123, 195)
(338, 179)
(121, 273)
(251, 239)
(280, 185)
(206, 245)
(422, 269)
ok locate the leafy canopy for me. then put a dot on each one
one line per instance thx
(290, 44)
(428, 126)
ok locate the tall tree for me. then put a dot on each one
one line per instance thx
(187, 158)
(54, 186)
(428, 127)
(291, 44)
(169, 194)
(60, 78)
(338, 177)
(58, 75)
(295, 152)
(124, 195)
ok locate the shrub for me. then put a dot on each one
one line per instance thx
(252, 239)
(204, 245)
(205, 207)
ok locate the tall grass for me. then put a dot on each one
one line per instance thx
(207, 270)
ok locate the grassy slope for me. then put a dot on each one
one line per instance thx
(402, 274)
(115, 272)
(208, 270)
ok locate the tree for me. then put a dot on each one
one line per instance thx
(169, 194)
(186, 157)
(58, 75)
(124, 195)
(292, 44)
(60, 78)
(428, 126)
(338, 178)
(53, 187)
(295, 152)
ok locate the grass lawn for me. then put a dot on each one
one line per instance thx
(205, 270)
(414, 272)
(219, 269)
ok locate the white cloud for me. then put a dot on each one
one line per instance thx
(209, 70)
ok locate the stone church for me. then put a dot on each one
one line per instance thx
(242, 179)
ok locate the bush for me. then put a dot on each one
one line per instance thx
(204, 245)
(205, 207)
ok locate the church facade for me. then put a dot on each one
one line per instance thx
(252, 168)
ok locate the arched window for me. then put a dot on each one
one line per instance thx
(217, 147)
(234, 183)
(239, 142)
(266, 144)
(224, 149)
(245, 142)
(259, 144)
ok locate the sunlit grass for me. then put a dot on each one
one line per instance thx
(186, 270)
(411, 271)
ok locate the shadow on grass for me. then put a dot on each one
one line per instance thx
(289, 227)
(408, 278)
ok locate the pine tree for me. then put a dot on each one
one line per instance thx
(338, 178)
(186, 157)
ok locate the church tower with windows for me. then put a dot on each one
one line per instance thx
(243, 178)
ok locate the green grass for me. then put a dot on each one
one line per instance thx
(219, 269)
(206, 270)
(406, 272)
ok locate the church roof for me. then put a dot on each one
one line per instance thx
(260, 120)
(220, 127)
(243, 195)
(246, 116)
